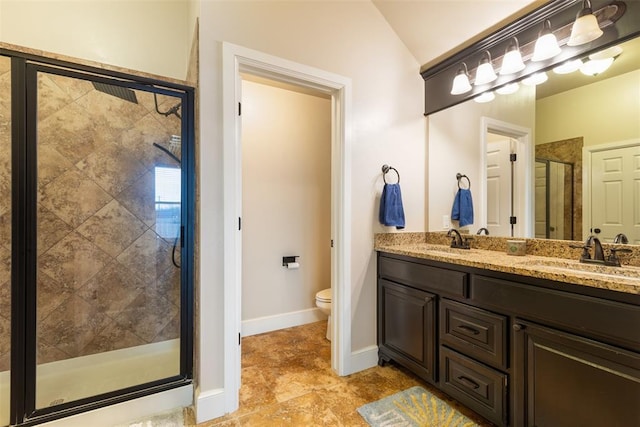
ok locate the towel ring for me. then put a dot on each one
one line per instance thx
(387, 168)
(459, 177)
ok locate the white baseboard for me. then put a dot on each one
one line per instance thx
(261, 325)
(364, 358)
(209, 405)
(122, 413)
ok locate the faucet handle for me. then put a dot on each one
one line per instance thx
(613, 256)
(585, 250)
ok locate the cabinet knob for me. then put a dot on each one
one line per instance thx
(427, 299)
(518, 327)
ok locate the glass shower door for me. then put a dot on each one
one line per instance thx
(108, 228)
(5, 237)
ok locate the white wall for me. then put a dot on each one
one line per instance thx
(602, 112)
(286, 199)
(149, 36)
(347, 38)
(454, 140)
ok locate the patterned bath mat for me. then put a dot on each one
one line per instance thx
(415, 407)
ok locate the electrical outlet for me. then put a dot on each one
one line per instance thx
(446, 222)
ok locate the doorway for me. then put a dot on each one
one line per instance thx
(286, 204)
(237, 60)
(506, 179)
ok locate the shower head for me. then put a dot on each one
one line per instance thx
(117, 91)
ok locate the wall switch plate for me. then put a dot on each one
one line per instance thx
(446, 222)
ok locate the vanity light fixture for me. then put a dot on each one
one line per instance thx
(508, 89)
(599, 62)
(585, 28)
(568, 67)
(461, 81)
(535, 79)
(485, 97)
(512, 59)
(485, 73)
(547, 45)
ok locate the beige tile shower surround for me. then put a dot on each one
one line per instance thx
(105, 278)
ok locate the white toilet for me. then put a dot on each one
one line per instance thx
(323, 301)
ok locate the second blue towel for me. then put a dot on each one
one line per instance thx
(462, 209)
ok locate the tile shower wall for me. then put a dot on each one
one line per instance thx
(105, 277)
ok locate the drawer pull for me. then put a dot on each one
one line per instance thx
(468, 382)
(518, 327)
(468, 329)
(427, 299)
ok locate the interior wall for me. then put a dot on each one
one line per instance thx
(140, 35)
(286, 203)
(613, 117)
(454, 144)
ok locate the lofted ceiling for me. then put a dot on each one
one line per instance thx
(432, 29)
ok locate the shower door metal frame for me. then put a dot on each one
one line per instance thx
(24, 70)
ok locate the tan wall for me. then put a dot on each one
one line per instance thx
(602, 112)
(286, 199)
(150, 36)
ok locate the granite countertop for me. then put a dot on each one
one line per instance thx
(621, 279)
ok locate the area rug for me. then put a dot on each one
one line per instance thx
(415, 407)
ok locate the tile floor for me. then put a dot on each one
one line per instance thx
(287, 381)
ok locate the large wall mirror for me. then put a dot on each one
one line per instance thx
(575, 140)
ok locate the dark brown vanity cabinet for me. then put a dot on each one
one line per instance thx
(568, 380)
(407, 327)
(518, 351)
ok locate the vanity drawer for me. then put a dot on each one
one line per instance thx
(475, 332)
(435, 279)
(475, 385)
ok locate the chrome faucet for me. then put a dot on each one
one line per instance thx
(457, 241)
(483, 229)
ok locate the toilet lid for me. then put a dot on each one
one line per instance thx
(324, 295)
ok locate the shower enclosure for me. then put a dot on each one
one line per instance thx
(96, 237)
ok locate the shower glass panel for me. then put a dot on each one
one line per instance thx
(554, 199)
(5, 236)
(108, 227)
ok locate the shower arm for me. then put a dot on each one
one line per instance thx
(173, 110)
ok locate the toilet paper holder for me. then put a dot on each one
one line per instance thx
(289, 259)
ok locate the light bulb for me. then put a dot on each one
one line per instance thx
(512, 59)
(568, 67)
(485, 73)
(508, 89)
(547, 45)
(485, 97)
(535, 79)
(585, 28)
(461, 81)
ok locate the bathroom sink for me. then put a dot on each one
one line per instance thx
(445, 250)
(602, 271)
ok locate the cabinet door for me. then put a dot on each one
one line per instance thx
(567, 380)
(406, 327)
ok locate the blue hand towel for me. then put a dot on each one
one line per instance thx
(391, 210)
(463, 207)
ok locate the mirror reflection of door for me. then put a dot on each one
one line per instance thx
(615, 193)
(499, 184)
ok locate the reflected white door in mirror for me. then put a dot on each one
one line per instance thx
(612, 190)
(506, 205)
